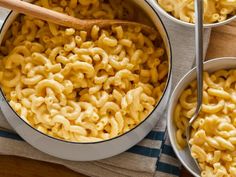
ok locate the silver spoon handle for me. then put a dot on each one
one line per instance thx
(199, 54)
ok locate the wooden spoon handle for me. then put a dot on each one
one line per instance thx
(43, 13)
(65, 20)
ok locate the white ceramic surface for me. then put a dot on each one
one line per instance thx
(210, 66)
(97, 150)
(191, 25)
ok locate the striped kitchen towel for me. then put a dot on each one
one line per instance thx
(153, 156)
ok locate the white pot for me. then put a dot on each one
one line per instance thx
(96, 150)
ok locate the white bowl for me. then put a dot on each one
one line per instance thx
(97, 150)
(156, 5)
(210, 66)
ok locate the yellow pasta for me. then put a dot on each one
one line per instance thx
(213, 133)
(214, 10)
(82, 86)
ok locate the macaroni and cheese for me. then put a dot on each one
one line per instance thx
(82, 86)
(214, 10)
(213, 134)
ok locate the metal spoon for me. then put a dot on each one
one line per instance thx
(66, 20)
(199, 66)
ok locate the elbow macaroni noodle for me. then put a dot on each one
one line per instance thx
(82, 86)
(213, 134)
(214, 10)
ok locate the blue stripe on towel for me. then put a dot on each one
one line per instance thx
(155, 135)
(149, 152)
(10, 135)
(167, 168)
(167, 149)
(141, 150)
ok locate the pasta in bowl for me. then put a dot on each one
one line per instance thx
(216, 12)
(84, 89)
(212, 136)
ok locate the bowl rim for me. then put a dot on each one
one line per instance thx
(171, 105)
(187, 24)
(168, 82)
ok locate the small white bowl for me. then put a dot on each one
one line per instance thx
(209, 66)
(156, 5)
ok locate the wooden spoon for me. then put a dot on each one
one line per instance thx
(66, 20)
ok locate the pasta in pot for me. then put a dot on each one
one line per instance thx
(213, 141)
(214, 10)
(82, 86)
